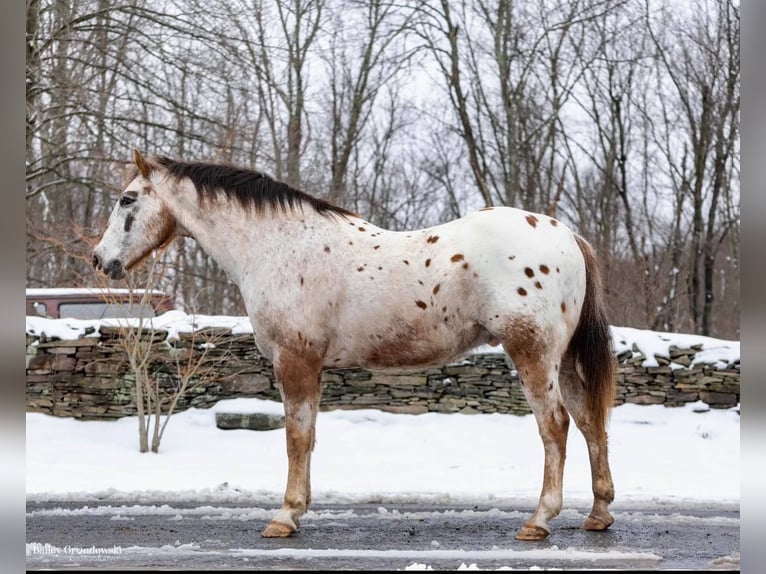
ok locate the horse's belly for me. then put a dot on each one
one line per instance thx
(406, 345)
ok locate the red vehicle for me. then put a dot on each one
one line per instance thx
(96, 303)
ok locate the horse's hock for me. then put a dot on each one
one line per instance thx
(89, 378)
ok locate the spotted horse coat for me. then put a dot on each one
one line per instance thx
(323, 287)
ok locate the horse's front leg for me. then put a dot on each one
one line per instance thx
(298, 378)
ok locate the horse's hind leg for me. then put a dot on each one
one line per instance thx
(299, 384)
(575, 400)
(540, 383)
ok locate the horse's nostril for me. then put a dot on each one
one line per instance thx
(115, 270)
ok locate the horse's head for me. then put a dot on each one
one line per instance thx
(139, 223)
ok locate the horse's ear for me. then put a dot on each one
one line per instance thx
(141, 164)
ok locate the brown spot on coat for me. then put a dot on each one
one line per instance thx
(529, 272)
(538, 285)
(436, 289)
(532, 220)
(563, 307)
(428, 262)
(486, 209)
(376, 247)
(554, 223)
(421, 304)
(362, 229)
(511, 257)
(522, 291)
(301, 280)
(465, 265)
(544, 269)
(326, 248)
(457, 257)
(360, 268)
(406, 262)
(433, 239)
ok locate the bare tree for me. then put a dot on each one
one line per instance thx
(702, 63)
(439, 27)
(160, 384)
(613, 86)
(365, 53)
(509, 70)
(282, 60)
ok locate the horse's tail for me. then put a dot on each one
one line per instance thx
(591, 344)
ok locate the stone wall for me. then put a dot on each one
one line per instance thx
(89, 378)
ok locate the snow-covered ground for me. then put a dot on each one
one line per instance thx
(661, 458)
(657, 455)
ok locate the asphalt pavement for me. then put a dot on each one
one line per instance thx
(189, 535)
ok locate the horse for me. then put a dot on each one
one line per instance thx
(324, 288)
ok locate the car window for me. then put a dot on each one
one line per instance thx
(100, 310)
(40, 308)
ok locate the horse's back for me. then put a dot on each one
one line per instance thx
(426, 296)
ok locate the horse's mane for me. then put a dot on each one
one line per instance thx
(251, 189)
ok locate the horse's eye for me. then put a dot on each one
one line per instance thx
(126, 200)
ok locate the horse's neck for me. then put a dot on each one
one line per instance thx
(237, 239)
(212, 226)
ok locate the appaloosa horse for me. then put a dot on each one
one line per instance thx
(325, 288)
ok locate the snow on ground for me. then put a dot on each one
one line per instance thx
(658, 455)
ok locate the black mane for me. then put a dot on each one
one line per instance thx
(251, 189)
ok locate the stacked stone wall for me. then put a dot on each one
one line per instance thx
(89, 378)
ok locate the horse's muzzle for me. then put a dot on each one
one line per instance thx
(113, 269)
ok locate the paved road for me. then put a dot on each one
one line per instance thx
(371, 537)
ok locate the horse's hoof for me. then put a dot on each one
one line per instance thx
(598, 523)
(532, 533)
(277, 530)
